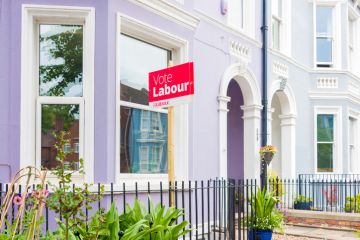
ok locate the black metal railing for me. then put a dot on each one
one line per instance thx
(315, 194)
(215, 209)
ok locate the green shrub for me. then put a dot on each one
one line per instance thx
(352, 204)
(302, 198)
(267, 215)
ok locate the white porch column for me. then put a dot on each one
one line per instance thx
(288, 123)
(223, 110)
(252, 116)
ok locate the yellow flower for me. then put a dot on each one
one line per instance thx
(268, 148)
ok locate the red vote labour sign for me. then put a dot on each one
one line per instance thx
(171, 86)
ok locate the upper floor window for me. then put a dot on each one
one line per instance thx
(236, 13)
(324, 36)
(353, 39)
(241, 16)
(277, 22)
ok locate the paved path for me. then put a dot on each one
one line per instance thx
(299, 232)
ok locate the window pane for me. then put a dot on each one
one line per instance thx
(143, 150)
(276, 34)
(56, 118)
(61, 60)
(324, 20)
(324, 50)
(325, 157)
(137, 60)
(325, 128)
(236, 13)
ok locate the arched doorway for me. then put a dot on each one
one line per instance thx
(245, 110)
(235, 132)
(282, 134)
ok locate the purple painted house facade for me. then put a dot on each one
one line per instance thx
(84, 63)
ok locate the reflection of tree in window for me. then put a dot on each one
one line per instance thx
(55, 118)
(61, 53)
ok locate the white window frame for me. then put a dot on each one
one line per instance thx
(336, 36)
(354, 114)
(179, 47)
(30, 123)
(354, 15)
(337, 148)
(248, 18)
(284, 28)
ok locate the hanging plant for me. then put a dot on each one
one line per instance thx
(267, 153)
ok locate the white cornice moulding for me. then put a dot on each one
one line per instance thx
(334, 96)
(169, 11)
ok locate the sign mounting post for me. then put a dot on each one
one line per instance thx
(168, 87)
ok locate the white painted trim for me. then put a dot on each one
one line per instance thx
(337, 112)
(31, 16)
(287, 118)
(170, 11)
(355, 114)
(179, 48)
(346, 96)
(252, 108)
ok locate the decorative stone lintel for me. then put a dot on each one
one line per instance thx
(223, 101)
(288, 120)
(252, 111)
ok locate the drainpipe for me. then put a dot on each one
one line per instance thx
(264, 113)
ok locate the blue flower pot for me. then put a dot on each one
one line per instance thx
(303, 205)
(259, 235)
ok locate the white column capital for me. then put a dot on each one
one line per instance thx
(288, 120)
(251, 111)
(223, 101)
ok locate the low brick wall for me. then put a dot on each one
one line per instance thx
(323, 219)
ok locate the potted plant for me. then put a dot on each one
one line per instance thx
(266, 217)
(302, 202)
(267, 153)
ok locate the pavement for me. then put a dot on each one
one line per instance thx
(319, 233)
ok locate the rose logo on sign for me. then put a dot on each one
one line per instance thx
(171, 86)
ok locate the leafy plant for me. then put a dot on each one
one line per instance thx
(302, 198)
(67, 199)
(159, 224)
(352, 204)
(267, 217)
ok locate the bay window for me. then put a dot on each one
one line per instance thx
(143, 131)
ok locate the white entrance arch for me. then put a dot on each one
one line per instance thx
(252, 114)
(287, 129)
